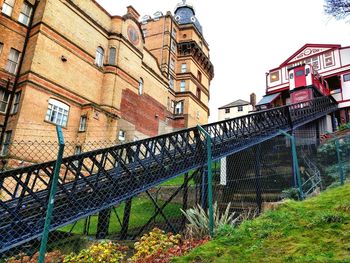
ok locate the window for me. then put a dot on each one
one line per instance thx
(328, 59)
(144, 32)
(1, 45)
(121, 135)
(291, 75)
(240, 108)
(7, 140)
(172, 104)
(197, 114)
(8, 7)
(12, 61)
(182, 85)
(172, 64)
(183, 68)
(299, 73)
(346, 77)
(26, 11)
(112, 54)
(274, 76)
(173, 33)
(57, 112)
(198, 93)
(77, 149)
(199, 76)
(173, 46)
(140, 86)
(16, 101)
(4, 99)
(179, 108)
(82, 124)
(171, 82)
(227, 110)
(99, 56)
(313, 61)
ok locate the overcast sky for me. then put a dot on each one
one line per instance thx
(247, 38)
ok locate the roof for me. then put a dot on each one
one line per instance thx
(235, 103)
(185, 14)
(326, 46)
(268, 99)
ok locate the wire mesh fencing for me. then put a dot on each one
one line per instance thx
(86, 209)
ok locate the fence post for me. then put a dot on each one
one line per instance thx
(295, 163)
(340, 164)
(51, 200)
(210, 181)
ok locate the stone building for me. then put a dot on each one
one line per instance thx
(237, 108)
(100, 77)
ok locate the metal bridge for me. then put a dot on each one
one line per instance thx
(94, 181)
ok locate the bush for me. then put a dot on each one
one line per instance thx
(107, 252)
(290, 193)
(199, 220)
(155, 242)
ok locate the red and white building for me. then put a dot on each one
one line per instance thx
(330, 62)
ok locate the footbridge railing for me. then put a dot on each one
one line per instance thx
(93, 181)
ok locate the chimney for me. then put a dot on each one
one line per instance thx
(253, 100)
(131, 11)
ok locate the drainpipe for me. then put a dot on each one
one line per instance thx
(12, 95)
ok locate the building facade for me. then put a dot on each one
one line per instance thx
(100, 77)
(332, 62)
(237, 108)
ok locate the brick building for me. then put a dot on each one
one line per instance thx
(100, 77)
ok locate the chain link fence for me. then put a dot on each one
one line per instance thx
(253, 180)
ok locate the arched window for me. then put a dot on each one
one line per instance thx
(57, 112)
(140, 86)
(99, 56)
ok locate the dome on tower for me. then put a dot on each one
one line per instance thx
(185, 14)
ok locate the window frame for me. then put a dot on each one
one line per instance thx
(227, 110)
(239, 108)
(171, 82)
(345, 77)
(59, 106)
(6, 143)
(16, 101)
(2, 101)
(99, 56)
(182, 86)
(1, 47)
(11, 62)
(8, 7)
(122, 135)
(82, 123)
(179, 110)
(183, 68)
(24, 18)
(276, 78)
(140, 88)
(112, 57)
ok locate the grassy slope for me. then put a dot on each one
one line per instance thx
(316, 230)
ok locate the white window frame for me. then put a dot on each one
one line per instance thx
(26, 12)
(171, 82)
(140, 89)
(183, 67)
(122, 135)
(82, 123)
(16, 101)
(4, 100)
(99, 56)
(6, 144)
(57, 112)
(12, 61)
(7, 7)
(179, 107)
(182, 86)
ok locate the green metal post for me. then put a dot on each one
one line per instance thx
(210, 181)
(340, 164)
(295, 163)
(51, 201)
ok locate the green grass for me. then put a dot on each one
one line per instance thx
(177, 181)
(142, 210)
(316, 230)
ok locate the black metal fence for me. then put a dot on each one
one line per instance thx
(122, 191)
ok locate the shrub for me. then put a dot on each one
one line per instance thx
(51, 257)
(199, 220)
(290, 193)
(155, 242)
(106, 252)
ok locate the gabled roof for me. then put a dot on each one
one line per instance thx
(305, 49)
(235, 103)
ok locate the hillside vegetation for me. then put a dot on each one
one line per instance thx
(315, 230)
